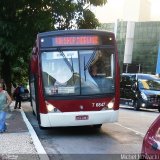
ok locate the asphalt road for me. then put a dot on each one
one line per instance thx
(114, 140)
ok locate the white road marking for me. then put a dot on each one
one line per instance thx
(136, 132)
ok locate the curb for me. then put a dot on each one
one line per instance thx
(38, 146)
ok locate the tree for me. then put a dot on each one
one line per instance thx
(21, 20)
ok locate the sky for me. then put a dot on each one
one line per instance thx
(114, 9)
(155, 7)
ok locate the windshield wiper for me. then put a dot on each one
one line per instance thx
(90, 60)
(86, 66)
(70, 66)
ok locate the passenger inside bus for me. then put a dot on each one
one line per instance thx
(100, 79)
(94, 71)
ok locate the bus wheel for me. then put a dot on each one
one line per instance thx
(97, 126)
(159, 109)
(33, 113)
(136, 105)
(43, 128)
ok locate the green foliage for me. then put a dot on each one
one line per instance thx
(21, 20)
(97, 2)
(89, 21)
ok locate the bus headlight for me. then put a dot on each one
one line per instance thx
(51, 108)
(111, 104)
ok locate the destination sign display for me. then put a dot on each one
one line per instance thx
(76, 40)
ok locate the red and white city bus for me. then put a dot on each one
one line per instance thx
(65, 91)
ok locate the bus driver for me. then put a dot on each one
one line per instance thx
(103, 83)
(94, 71)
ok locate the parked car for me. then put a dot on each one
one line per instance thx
(151, 142)
(26, 95)
(140, 90)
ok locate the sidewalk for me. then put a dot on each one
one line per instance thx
(18, 142)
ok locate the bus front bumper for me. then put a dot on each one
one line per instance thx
(78, 118)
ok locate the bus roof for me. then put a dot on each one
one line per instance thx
(79, 31)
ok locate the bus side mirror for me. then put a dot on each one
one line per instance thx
(34, 63)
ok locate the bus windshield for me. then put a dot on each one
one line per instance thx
(78, 72)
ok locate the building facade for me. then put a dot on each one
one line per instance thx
(138, 43)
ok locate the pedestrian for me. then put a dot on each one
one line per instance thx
(13, 87)
(17, 95)
(5, 101)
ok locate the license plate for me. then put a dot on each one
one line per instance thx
(82, 117)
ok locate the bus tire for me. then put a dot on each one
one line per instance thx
(42, 128)
(97, 126)
(159, 109)
(33, 113)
